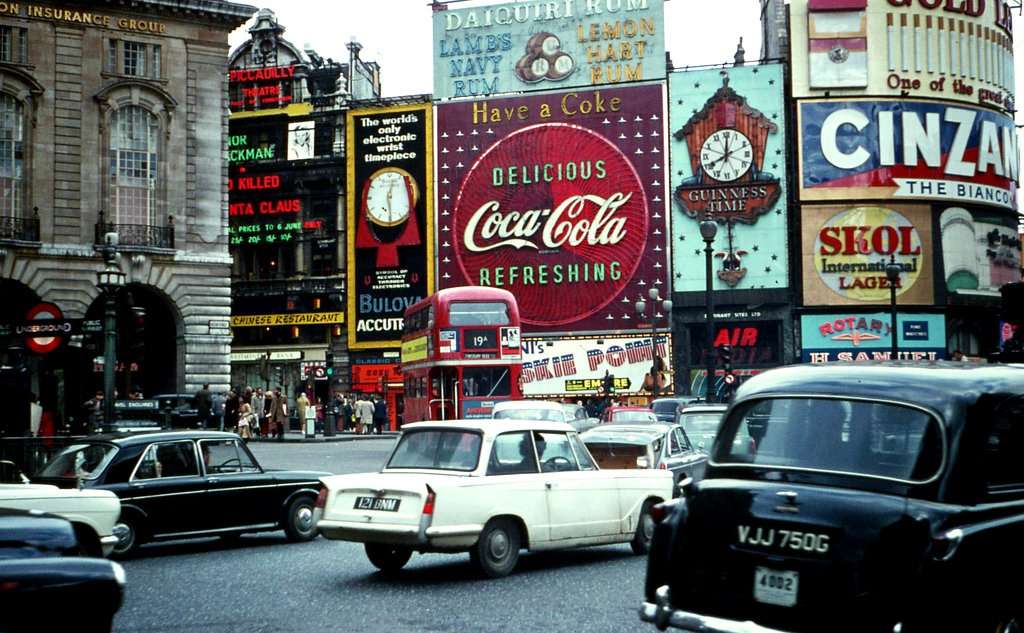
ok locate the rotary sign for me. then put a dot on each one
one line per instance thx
(553, 197)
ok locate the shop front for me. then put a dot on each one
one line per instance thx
(378, 374)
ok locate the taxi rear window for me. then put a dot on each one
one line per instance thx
(873, 439)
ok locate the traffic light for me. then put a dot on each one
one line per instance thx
(608, 383)
(725, 357)
(329, 358)
(138, 328)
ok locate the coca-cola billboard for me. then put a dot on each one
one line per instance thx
(558, 198)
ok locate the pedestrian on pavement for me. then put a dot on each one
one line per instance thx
(301, 406)
(380, 415)
(258, 404)
(346, 414)
(246, 420)
(364, 414)
(279, 414)
(232, 407)
(204, 406)
(219, 399)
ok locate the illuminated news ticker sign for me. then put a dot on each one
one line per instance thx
(558, 198)
(546, 45)
(907, 150)
(262, 87)
(260, 221)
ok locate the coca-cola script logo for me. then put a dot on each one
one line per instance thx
(555, 214)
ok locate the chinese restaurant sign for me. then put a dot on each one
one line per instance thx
(846, 249)
(859, 337)
(907, 150)
(576, 367)
(558, 198)
(546, 45)
(729, 162)
(390, 220)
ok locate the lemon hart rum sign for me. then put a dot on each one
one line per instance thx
(559, 198)
(728, 162)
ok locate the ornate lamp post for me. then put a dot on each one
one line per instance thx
(110, 280)
(892, 273)
(641, 307)
(708, 230)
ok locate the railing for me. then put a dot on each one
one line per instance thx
(137, 234)
(23, 229)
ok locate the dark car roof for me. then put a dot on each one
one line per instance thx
(938, 385)
(128, 439)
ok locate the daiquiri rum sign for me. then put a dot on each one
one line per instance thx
(558, 198)
(846, 250)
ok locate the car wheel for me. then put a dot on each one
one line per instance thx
(388, 558)
(497, 551)
(128, 536)
(641, 542)
(299, 524)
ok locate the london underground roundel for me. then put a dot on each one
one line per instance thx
(557, 215)
(43, 344)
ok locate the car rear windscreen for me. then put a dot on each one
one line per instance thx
(859, 437)
(437, 450)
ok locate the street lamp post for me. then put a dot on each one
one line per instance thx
(892, 273)
(641, 307)
(708, 230)
(110, 280)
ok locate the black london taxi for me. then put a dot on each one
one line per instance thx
(852, 497)
(183, 484)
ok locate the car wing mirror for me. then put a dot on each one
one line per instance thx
(685, 485)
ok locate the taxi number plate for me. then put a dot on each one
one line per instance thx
(775, 587)
(385, 504)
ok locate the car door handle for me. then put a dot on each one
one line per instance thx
(213, 480)
(549, 485)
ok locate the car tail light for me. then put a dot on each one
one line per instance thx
(428, 505)
(662, 466)
(321, 499)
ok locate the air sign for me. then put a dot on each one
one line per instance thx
(908, 150)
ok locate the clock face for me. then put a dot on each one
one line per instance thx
(726, 155)
(390, 196)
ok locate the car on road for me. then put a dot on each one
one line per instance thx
(92, 513)
(701, 422)
(666, 408)
(180, 409)
(853, 497)
(183, 484)
(657, 446)
(45, 582)
(529, 410)
(628, 415)
(489, 488)
(577, 416)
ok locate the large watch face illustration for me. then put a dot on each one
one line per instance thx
(726, 155)
(391, 195)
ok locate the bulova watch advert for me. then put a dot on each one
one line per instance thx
(558, 198)
(390, 212)
(576, 367)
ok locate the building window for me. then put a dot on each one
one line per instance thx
(13, 45)
(12, 117)
(134, 59)
(133, 164)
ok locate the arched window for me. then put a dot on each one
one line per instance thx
(12, 156)
(134, 146)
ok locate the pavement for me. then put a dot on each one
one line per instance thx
(293, 437)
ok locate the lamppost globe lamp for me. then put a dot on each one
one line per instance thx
(110, 280)
(892, 273)
(708, 231)
(641, 309)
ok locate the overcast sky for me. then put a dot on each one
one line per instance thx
(397, 34)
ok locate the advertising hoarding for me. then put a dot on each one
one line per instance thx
(980, 249)
(576, 367)
(546, 45)
(729, 162)
(390, 215)
(956, 50)
(845, 250)
(907, 150)
(559, 198)
(846, 336)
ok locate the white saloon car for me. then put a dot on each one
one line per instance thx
(489, 487)
(93, 513)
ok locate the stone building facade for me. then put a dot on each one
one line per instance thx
(113, 118)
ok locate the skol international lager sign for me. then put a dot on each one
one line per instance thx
(559, 198)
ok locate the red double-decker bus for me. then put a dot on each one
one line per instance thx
(461, 353)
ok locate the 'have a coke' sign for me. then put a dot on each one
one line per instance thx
(557, 205)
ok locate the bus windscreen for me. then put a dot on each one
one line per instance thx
(478, 313)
